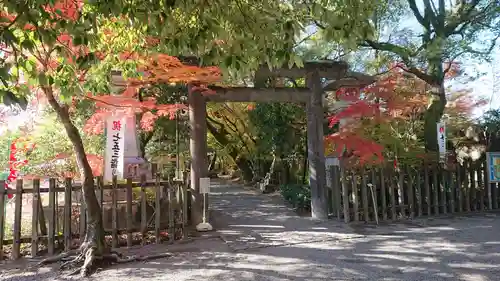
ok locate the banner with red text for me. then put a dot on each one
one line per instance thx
(115, 147)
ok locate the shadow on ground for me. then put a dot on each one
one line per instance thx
(264, 240)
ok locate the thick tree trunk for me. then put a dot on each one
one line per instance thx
(94, 237)
(433, 115)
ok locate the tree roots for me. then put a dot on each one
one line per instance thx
(87, 260)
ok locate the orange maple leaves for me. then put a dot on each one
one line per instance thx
(158, 68)
(162, 68)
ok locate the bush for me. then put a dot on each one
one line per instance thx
(298, 195)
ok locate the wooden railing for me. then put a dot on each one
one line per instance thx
(161, 212)
(380, 194)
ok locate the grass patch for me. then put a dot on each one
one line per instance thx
(297, 195)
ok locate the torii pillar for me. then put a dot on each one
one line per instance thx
(316, 147)
(198, 149)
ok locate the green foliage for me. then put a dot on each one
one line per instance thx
(276, 126)
(490, 124)
(161, 140)
(297, 195)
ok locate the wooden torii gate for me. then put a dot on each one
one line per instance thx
(336, 75)
(315, 72)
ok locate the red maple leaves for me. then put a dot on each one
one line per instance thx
(391, 98)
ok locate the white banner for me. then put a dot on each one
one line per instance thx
(115, 147)
(441, 138)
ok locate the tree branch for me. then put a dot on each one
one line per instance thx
(405, 55)
(423, 21)
(488, 50)
(463, 12)
(430, 14)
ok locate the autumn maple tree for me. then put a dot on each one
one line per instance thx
(371, 124)
(384, 121)
(41, 57)
(50, 51)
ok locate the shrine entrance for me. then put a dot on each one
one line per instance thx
(320, 76)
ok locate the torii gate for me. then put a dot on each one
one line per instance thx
(337, 76)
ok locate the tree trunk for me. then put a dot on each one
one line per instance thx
(243, 163)
(433, 115)
(244, 166)
(211, 167)
(94, 237)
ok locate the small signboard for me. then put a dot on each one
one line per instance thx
(441, 139)
(204, 185)
(493, 164)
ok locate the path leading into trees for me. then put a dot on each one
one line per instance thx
(263, 240)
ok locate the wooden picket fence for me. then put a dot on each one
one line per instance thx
(384, 194)
(166, 218)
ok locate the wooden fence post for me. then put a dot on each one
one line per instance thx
(459, 190)
(442, 189)
(420, 193)
(83, 217)
(345, 194)
(383, 194)
(427, 188)
(68, 210)
(52, 217)
(480, 186)
(171, 221)
(435, 189)
(466, 187)
(453, 192)
(411, 192)
(34, 217)
(473, 187)
(99, 192)
(364, 195)
(392, 194)
(3, 195)
(487, 186)
(401, 193)
(157, 203)
(129, 212)
(335, 179)
(355, 198)
(16, 247)
(114, 213)
(144, 214)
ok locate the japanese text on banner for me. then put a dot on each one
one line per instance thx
(115, 146)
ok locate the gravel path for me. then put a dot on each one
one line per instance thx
(263, 240)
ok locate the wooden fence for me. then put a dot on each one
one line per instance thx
(154, 211)
(381, 194)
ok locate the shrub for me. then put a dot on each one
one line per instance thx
(298, 195)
